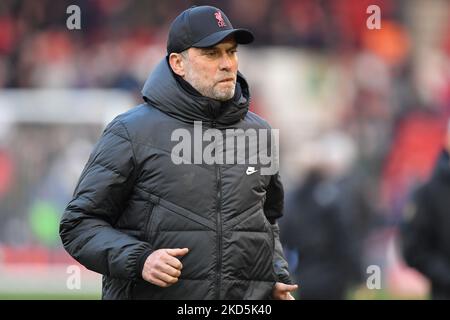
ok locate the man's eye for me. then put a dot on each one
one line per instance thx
(210, 53)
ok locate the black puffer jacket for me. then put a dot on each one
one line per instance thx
(425, 232)
(132, 199)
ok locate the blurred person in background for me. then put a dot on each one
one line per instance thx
(425, 231)
(158, 230)
(326, 220)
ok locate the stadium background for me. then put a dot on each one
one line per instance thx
(370, 103)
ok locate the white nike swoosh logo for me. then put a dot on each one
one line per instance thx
(250, 171)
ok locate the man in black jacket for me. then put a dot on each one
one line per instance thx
(153, 219)
(425, 232)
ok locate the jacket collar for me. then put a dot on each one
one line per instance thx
(164, 92)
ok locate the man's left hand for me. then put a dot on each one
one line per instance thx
(282, 291)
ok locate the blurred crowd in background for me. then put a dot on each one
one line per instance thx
(364, 134)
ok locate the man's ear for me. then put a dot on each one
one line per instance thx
(177, 64)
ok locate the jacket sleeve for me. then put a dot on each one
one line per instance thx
(273, 209)
(102, 192)
(419, 244)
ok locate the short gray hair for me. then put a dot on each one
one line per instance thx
(184, 53)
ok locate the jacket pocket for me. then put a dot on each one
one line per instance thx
(172, 226)
(148, 220)
(188, 215)
(246, 219)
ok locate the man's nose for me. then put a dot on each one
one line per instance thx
(226, 62)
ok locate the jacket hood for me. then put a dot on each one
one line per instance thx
(162, 91)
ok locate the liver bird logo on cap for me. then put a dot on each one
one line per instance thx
(219, 18)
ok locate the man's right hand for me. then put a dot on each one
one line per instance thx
(162, 268)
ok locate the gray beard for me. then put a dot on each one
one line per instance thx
(210, 92)
(214, 93)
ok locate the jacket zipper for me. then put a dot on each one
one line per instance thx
(219, 231)
(219, 226)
